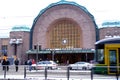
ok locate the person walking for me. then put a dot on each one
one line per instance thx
(33, 61)
(7, 64)
(16, 62)
(4, 64)
(30, 64)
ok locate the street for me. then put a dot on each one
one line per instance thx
(58, 74)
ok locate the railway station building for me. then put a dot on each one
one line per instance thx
(63, 31)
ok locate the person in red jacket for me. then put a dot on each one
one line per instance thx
(33, 61)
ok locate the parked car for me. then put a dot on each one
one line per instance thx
(81, 65)
(45, 64)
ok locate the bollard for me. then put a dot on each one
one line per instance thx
(92, 73)
(117, 75)
(24, 71)
(68, 73)
(45, 73)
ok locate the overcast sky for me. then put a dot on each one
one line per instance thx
(23, 12)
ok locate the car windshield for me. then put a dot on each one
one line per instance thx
(80, 63)
(44, 62)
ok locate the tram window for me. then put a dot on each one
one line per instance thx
(100, 57)
(113, 56)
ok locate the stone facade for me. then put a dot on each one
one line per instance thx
(70, 12)
(3, 45)
(109, 32)
(20, 48)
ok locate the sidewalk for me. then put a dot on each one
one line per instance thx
(21, 77)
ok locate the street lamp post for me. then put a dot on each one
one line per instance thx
(15, 42)
(37, 49)
(53, 54)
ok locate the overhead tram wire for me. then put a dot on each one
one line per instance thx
(5, 17)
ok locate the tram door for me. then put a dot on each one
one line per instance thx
(113, 61)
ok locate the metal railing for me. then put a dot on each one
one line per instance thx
(63, 72)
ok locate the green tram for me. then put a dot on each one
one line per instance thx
(107, 56)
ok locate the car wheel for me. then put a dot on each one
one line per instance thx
(84, 68)
(70, 68)
(33, 68)
(50, 68)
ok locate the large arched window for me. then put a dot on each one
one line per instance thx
(65, 34)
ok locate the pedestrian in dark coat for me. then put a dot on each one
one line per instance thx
(26, 63)
(7, 64)
(16, 62)
(4, 64)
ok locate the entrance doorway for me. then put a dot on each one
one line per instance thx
(113, 61)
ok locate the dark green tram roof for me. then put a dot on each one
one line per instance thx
(108, 41)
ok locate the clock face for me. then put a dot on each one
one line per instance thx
(64, 41)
